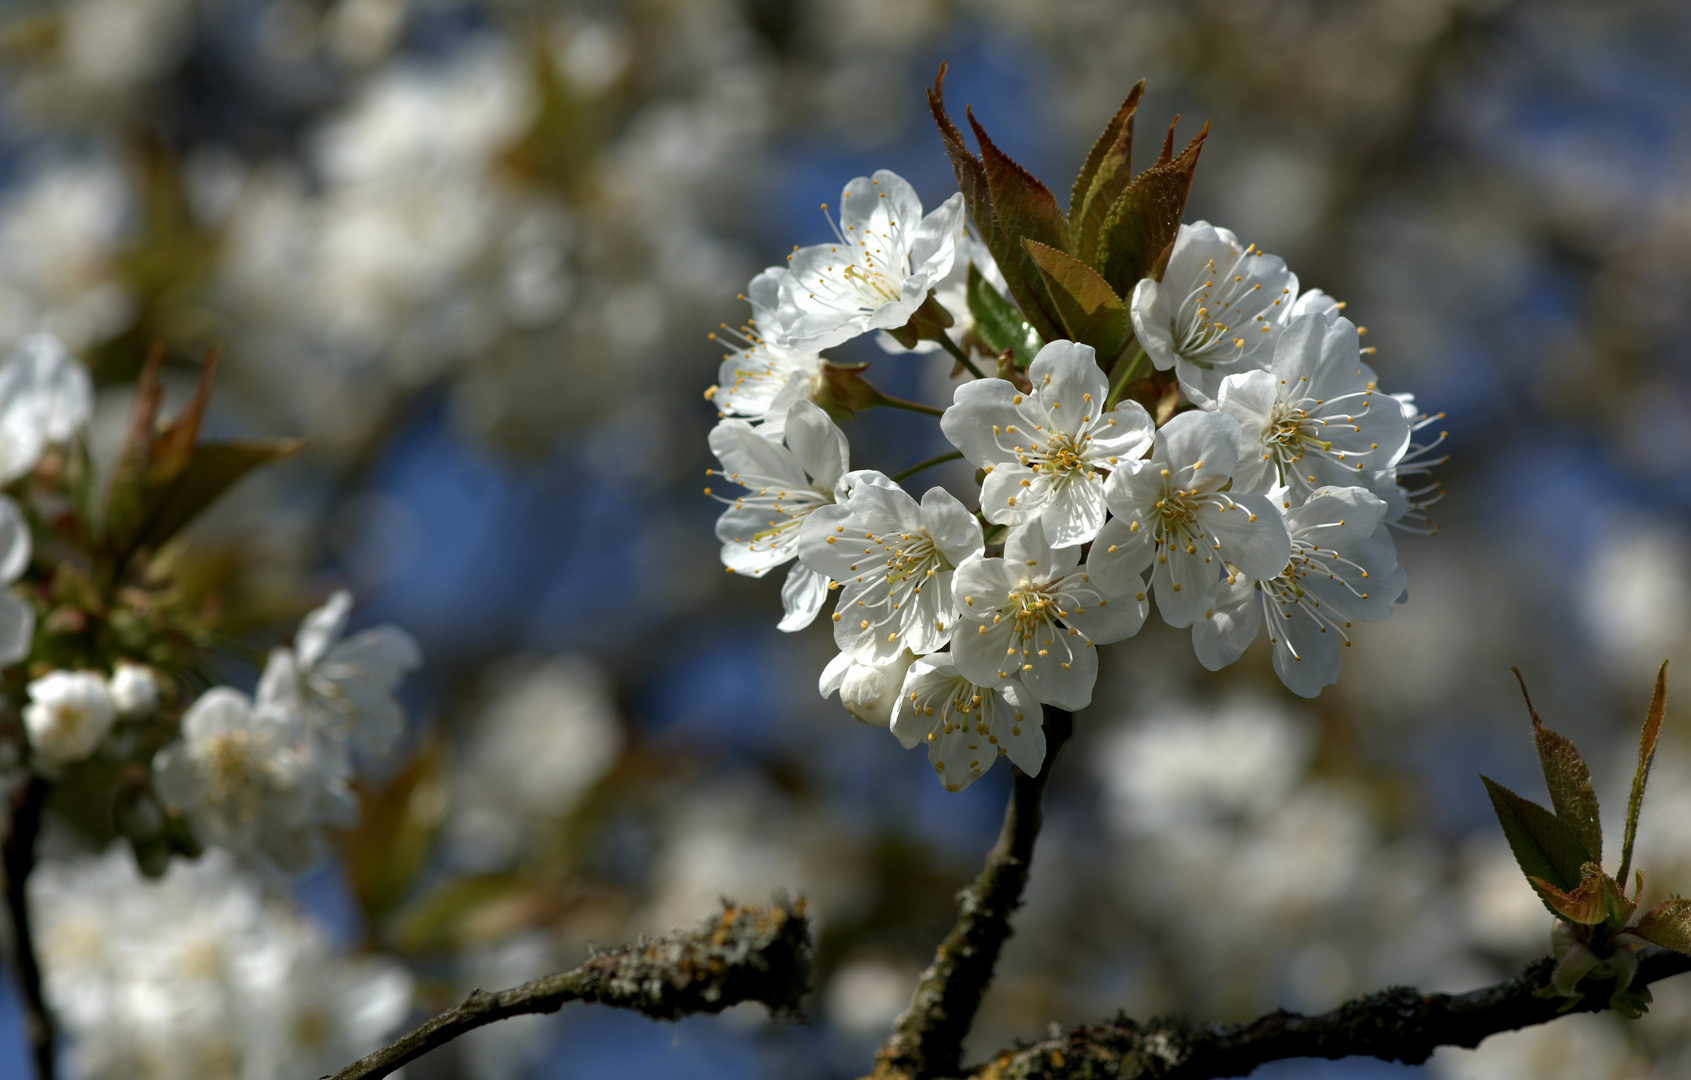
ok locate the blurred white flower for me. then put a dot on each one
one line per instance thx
(878, 272)
(547, 736)
(17, 619)
(867, 994)
(255, 779)
(198, 974)
(134, 689)
(46, 397)
(58, 233)
(345, 686)
(1187, 766)
(68, 715)
(1046, 452)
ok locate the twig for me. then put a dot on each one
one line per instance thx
(1399, 1024)
(905, 474)
(927, 1040)
(908, 406)
(957, 353)
(18, 857)
(745, 954)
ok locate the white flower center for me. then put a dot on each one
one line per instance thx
(912, 561)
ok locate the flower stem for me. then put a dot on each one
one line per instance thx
(962, 357)
(908, 406)
(1126, 371)
(928, 464)
(18, 855)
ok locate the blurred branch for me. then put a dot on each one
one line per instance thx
(927, 1041)
(744, 954)
(18, 856)
(1399, 1024)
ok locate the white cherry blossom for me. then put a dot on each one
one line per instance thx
(893, 559)
(345, 686)
(785, 480)
(201, 973)
(868, 692)
(966, 725)
(952, 293)
(1175, 514)
(69, 714)
(1343, 569)
(878, 271)
(1317, 418)
(1218, 309)
(1046, 452)
(256, 778)
(751, 378)
(1036, 613)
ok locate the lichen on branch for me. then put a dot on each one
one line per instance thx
(743, 954)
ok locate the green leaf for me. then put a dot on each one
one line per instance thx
(1668, 924)
(977, 197)
(1144, 220)
(1026, 209)
(998, 324)
(211, 469)
(1568, 779)
(1091, 311)
(1105, 175)
(1646, 754)
(1543, 846)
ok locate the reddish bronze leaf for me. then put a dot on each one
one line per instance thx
(1146, 217)
(1104, 176)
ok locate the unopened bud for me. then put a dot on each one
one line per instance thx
(135, 690)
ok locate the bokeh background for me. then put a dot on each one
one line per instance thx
(472, 251)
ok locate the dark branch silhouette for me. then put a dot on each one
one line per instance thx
(745, 954)
(18, 856)
(927, 1040)
(1399, 1024)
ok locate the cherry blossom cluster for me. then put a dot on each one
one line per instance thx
(104, 658)
(1257, 491)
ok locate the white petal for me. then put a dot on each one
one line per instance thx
(954, 530)
(802, 596)
(1252, 534)
(977, 407)
(1120, 555)
(1223, 634)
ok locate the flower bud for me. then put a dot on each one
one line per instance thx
(68, 715)
(134, 690)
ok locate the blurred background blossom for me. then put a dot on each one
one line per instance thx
(471, 252)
